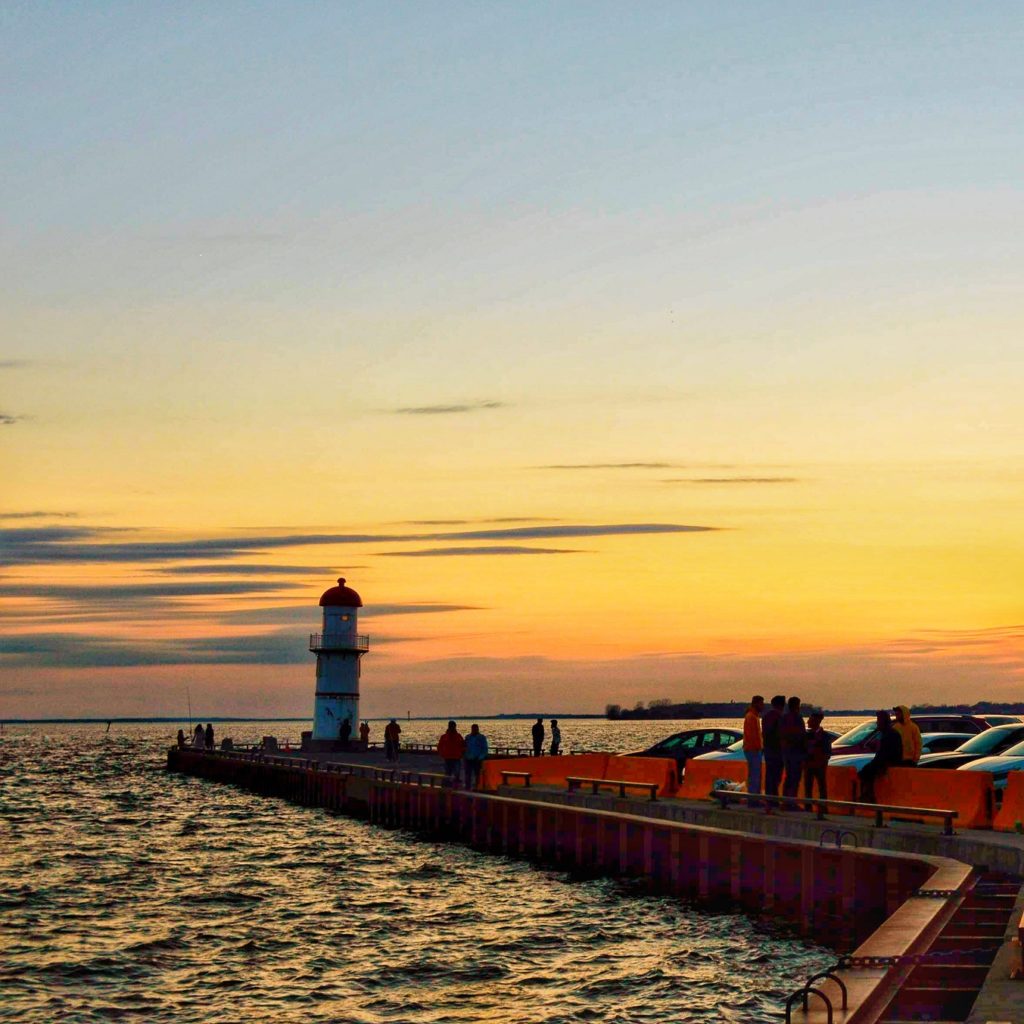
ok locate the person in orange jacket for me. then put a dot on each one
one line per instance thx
(451, 746)
(753, 746)
(910, 735)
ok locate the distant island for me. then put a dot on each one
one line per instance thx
(692, 709)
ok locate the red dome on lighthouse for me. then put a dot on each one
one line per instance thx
(342, 596)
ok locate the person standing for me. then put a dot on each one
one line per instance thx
(452, 747)
(556, 737)
(772, 745)
(538, 737)
(819, 750)
(391, 733)
(364, 733)
(753, 745)
(890, 752)
(476, 751)
(345, 733)
(793, 733)
(199, 736)
(910, 736)
(181, 737)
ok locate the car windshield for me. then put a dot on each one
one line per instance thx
(1014, 751)
(738, 745)
(986, 742)
(858, 734)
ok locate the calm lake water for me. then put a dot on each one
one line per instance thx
(128, 893)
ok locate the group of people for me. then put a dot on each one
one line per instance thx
(345, 733)
(778, 740)
(466, 752)
(537, 732)
(201, 738)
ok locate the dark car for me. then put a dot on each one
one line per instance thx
(863, 738)
(986, 744)
(683, 745)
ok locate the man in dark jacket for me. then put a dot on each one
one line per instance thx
(772, 740)
(890, 752)
(793, 734)
(538, 737)
(819, 750)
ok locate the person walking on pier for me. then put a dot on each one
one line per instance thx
(538, 737)
(772, 745)
(556, 737)
(819, 750)
(753, 745)
(452, 747)
(476, 751)
(208, 736)
(793, 733)
(391, 733)
(890, 752)
(910, 736)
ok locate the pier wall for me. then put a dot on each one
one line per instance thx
(835, 896)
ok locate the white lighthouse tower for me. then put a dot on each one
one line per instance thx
(339, 650)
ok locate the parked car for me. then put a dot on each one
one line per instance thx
(931, 743)
(1010, 760)
(1003, 719)
(863, 738)
(734, 752)
(692, 743)
(986, 744)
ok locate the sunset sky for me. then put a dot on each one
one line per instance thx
(611, 352)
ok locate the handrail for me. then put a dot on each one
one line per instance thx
(573, 782)
(339, 642)
(725, 796)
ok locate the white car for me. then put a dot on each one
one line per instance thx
(734, 752)
(1000, 766)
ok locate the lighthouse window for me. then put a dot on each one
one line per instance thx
(345, 618)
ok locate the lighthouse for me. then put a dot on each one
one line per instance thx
(339, 650)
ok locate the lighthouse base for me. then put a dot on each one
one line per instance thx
(312, 746)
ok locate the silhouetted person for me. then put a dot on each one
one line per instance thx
(452, 747)
(364, 733)
(209, 736)
(345, 733)
(819, 750)
(772, 739)
(199, 736)
(538, 737)
(910, 736)
(753, 746)
(556, 737)
(181, 737)
(391, 733)
(476, 751)
(793, 733)
(890, 752)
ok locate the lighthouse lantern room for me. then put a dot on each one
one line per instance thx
(339, 649)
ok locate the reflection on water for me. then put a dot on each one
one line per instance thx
(130, 893)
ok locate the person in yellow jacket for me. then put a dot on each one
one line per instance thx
(910, 735)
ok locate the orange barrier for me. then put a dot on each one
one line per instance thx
(970, 794)
(549, 771)
(700, 776)
(842, 783)
(643, 769)
(1011, 814)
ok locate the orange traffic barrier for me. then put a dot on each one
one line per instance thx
(842, 783)
(661, 770)
(1011, 815)
(699, 777)
(550, 771)
(970, 794)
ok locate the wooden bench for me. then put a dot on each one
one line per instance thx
(525, 776)
(575, 781)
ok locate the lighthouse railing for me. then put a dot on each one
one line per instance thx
(339, 642)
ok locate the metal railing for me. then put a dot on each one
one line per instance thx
(339, 642)
(820, 807)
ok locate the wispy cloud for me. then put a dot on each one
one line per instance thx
(7, 420)
(301, 614)
(39, 514)
(446, 410)
(14, 364)
(610, 465)
(496, 549)
(82, 544)
(134, 591)
(246, 569)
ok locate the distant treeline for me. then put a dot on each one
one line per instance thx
(692, 709)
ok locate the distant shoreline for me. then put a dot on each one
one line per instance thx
(304, 718)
